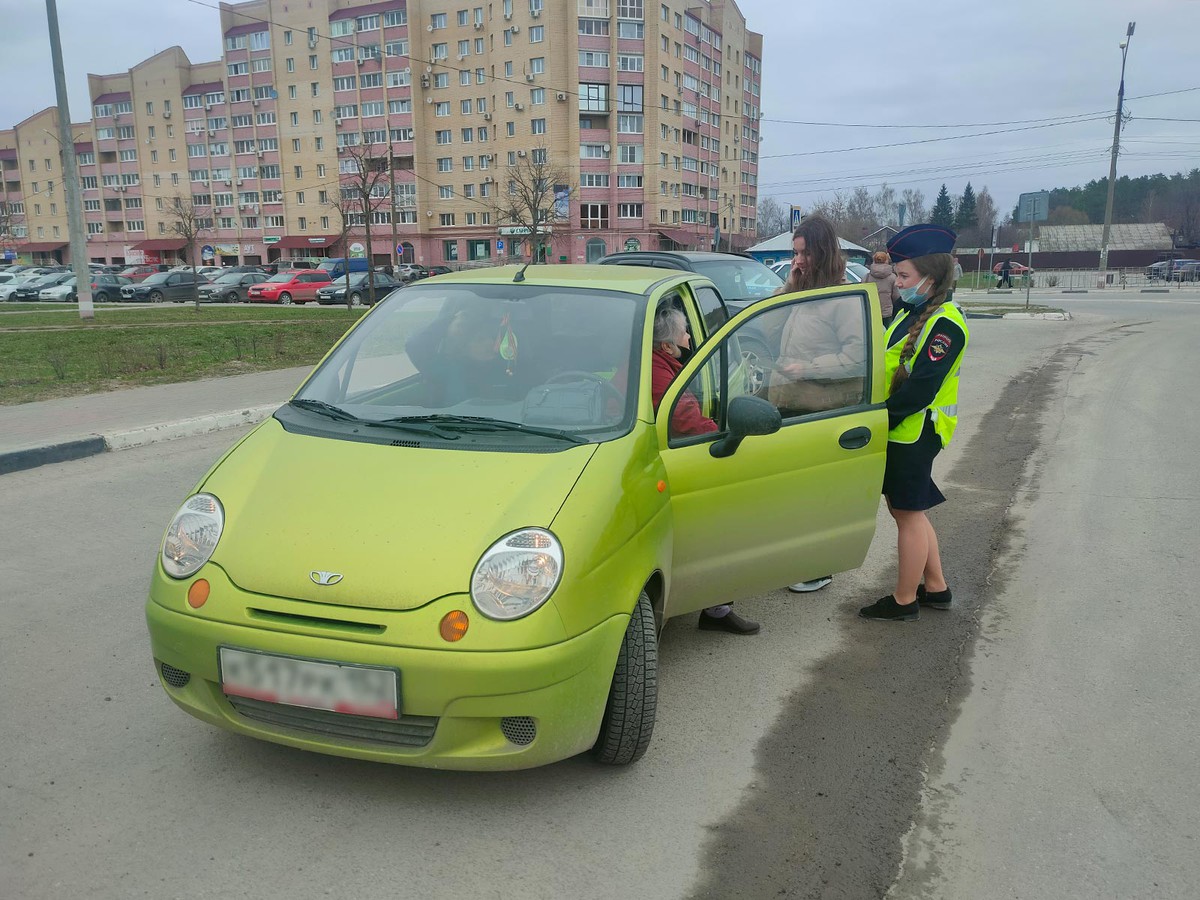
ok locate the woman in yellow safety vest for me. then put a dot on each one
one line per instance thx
(925, 345)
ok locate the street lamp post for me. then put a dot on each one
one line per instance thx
(1112, 165)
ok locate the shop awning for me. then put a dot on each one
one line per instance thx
(45, 247)
(298, 241)
(684, 238)
(161, 244)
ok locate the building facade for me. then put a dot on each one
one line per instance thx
(647, 114)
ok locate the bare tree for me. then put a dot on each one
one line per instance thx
(366, 188)
(532, 197)
(985, 219)
(914, 205)
(773, 219)
(345, 210)
(187, 222)
(8, 237)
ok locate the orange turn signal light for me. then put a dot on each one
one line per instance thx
(454, 625)
(198, 593)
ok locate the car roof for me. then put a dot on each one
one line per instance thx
(692, 255)
(628, 279)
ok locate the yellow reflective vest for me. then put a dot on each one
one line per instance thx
(943, 412)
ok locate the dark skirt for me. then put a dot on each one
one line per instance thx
(908, 473)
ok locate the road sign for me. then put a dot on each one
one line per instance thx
(499, 245)
(400, 248)
(797, 217)
(1033, 207)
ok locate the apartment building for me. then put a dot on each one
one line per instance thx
(646, 113)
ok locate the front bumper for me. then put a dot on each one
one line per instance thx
(460, 699)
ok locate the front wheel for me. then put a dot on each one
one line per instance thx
(156, 297)
(285, 298)
(231, 297)
(629, 714)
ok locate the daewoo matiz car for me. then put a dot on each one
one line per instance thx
(457, 544)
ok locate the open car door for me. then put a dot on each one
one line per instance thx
(798, 503)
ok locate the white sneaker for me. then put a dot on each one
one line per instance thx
(807, 587)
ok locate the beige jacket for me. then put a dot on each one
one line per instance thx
(826, 338)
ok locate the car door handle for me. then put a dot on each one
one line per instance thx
(855, 438)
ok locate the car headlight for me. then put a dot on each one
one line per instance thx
(517, 574)
(192, 535)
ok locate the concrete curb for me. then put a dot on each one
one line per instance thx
(1049, 316)
(170, 431)
(93, 445)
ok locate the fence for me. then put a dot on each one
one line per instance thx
(1084, 280)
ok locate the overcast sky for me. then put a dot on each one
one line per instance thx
(911, 64)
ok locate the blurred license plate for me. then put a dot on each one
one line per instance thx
(353, 690)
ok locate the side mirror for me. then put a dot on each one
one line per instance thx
(747, 415)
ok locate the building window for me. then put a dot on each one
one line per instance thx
(593, 216)
(449, 248)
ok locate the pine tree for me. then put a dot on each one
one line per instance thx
(943, 209)
(965, 215)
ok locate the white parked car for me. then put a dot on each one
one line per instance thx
(62, 291)
(8, 287)
(854, 272)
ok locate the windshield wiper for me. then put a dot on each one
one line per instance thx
(325, 409)
(482, 423)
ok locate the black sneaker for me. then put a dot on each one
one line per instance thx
(933, 599)
(886, 609)
(731, 622)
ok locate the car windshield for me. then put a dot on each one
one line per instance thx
(157, 278)
(282, 277)
(499, 365)
(739, 279)
(230, 278)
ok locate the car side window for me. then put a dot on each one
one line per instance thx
(711, 308)
(821, 365)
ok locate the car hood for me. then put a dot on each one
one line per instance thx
(402, 526)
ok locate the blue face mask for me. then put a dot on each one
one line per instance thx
(911, 295)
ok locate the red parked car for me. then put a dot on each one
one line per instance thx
(142, 272)
(289, 287)
(1015, 268)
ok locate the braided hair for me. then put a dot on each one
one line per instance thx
(939, 268)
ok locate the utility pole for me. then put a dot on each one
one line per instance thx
(1112, 165)
(66, 141)
(392, 197)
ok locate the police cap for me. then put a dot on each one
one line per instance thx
(920, 240)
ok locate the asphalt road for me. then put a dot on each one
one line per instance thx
(825, 757)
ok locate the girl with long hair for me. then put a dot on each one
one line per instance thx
(925, 345)
(831, 334)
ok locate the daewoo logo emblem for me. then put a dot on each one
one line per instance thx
(325, 578)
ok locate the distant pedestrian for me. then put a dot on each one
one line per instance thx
(388, 270)
(1005, 274)
(883, 277)
(922, 361)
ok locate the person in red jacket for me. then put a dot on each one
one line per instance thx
(671, 341)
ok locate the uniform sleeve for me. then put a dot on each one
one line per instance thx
(930, 366)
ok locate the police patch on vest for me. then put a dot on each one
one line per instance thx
(939, 346)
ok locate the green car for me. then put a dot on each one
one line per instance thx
(457, 544)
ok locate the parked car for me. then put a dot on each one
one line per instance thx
(337, 266)
(854, 272)
(141, 272)
(335, 291)
(9, 288)
(161, 286)
(289, 265)
(1015, 268)
(231, 287)
(289, 287)
(472, 543)
(1174, 270)
(104, 289)
(439, 270)
(411, 272)
(31, 290)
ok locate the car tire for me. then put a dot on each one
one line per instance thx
(285, 298)
(628, 720)
(100, 297)
(156, 297)
(356, 299)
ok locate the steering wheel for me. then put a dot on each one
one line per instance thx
(580, 375)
